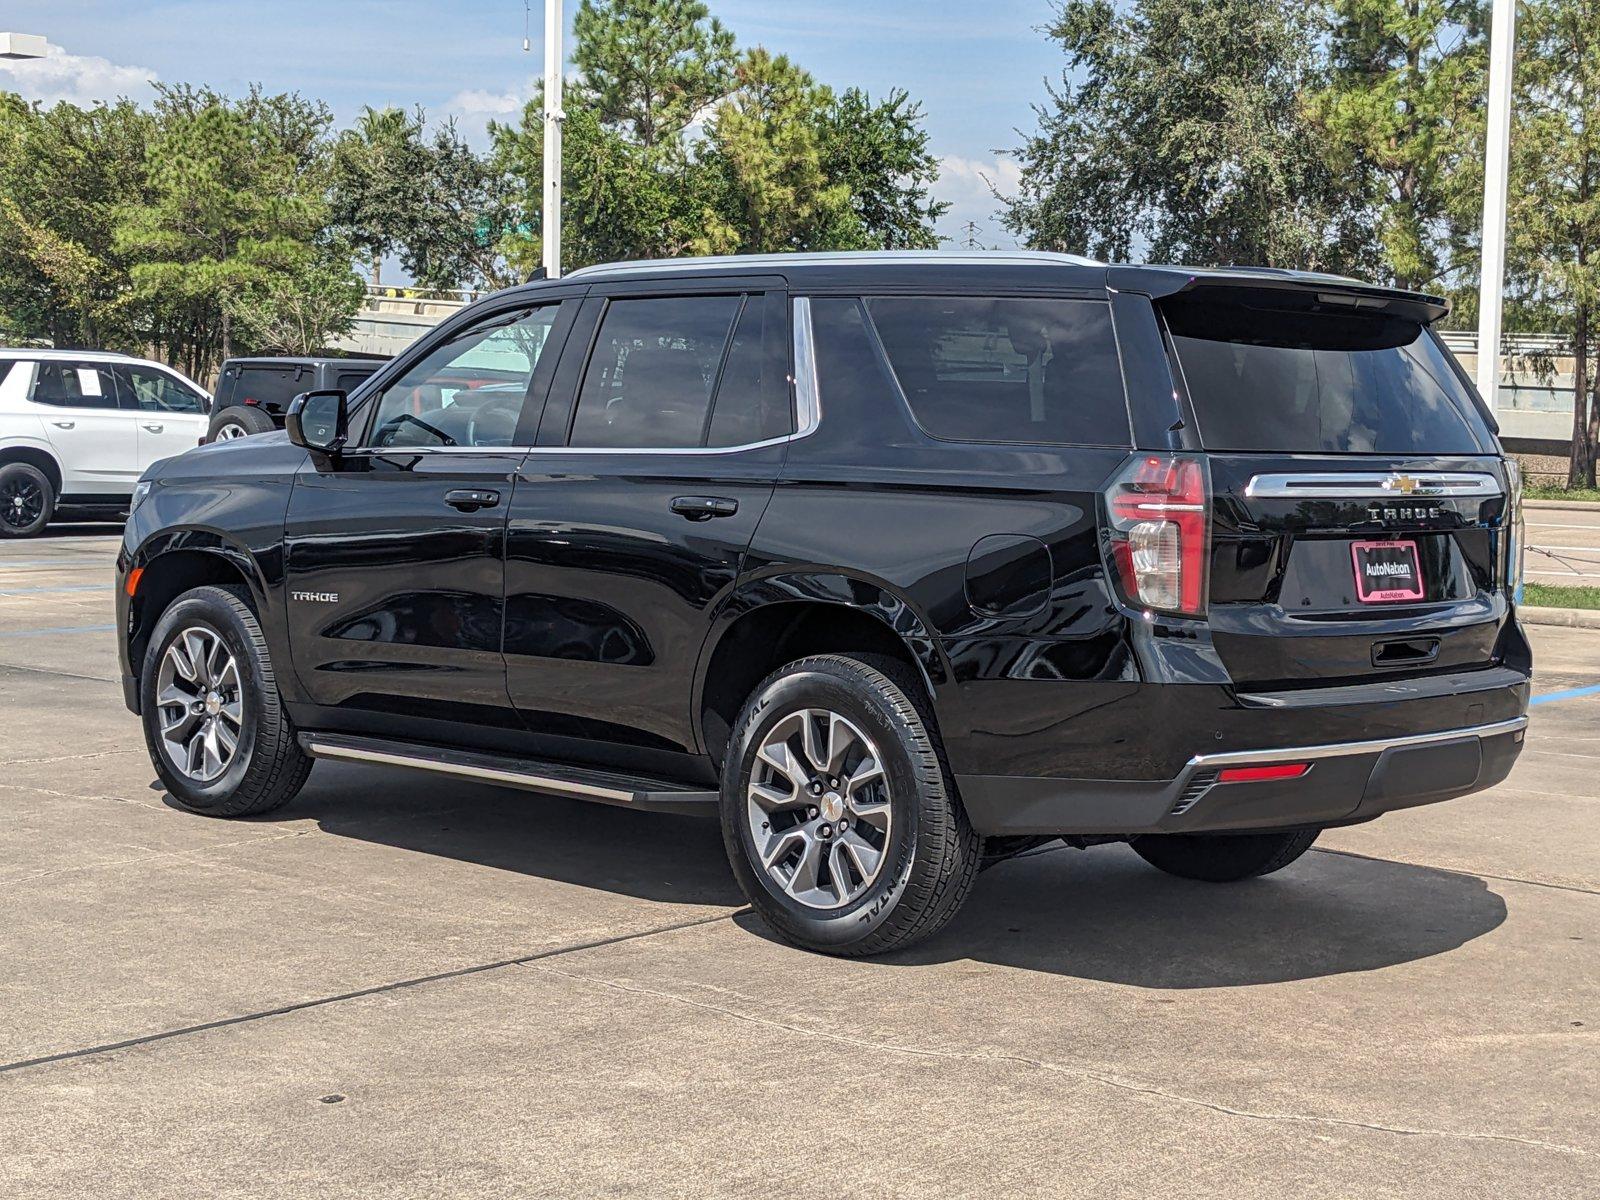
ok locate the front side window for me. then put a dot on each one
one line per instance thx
(150, 390)
(655, 365)
(470, 389)
(999, 369)
(74, 385)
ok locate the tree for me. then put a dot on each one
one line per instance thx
(880, 153)
(236, 212)
(1554, 199)
(465, 211)
(378, 172)
(649, 67)
(63, 173)
(1186, 137)
(762, 146)
(1401, 110)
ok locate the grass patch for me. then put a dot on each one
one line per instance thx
(1544, 595)
(1555, 491)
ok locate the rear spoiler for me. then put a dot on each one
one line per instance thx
(1333, 290)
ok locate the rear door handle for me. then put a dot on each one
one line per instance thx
(63, 424)
(703, 508)
(154, 428)
(472, 499)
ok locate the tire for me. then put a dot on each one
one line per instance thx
(27, 500)
(266, 767)
(927, 852)
(1225, 857)
(238, 420)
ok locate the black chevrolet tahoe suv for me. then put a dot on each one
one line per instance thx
(898, 563)
(253, 394)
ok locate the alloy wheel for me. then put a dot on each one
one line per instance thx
(818, 808)
(21, 503)
(200, 704)
(226, 433)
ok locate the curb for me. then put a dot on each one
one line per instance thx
(1572, 618)
(1588, 506)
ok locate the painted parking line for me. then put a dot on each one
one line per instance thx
(66, 564)
(43, 591)
(1569, 694)
(23, 633)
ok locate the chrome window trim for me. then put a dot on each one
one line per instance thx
(807, 413)
(1347, 749)
(1371, 485)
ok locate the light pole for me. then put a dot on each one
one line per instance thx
(553, 116)
(1497, 157)
(22, 45)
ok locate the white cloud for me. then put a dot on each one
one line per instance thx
(474, 108)
(79, 79)
(965, 184)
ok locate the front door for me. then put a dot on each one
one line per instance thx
(630, 520)
(171, 414)
(395, 569)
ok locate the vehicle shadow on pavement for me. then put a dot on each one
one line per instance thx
(1104, 914)
(648, 855)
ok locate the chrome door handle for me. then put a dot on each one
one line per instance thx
(63, 424)
(154, 428)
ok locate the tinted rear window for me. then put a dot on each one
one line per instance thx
(998, 369)
(271, 386)
(1272, 380)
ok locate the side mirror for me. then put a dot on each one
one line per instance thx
(318, 421)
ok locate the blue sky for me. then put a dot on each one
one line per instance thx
(976, 68)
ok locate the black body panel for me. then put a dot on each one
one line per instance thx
(585, 618)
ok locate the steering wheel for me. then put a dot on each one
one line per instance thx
(392, 426)
(506, 406)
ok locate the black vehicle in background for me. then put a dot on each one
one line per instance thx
(252, 394)
(898, 563)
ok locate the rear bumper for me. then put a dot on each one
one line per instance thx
(1346, 782)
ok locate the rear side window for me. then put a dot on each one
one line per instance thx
(74, 385)
(752, 403)
(1001, 369)
(346, 381)
(1267, 379)
(655, 365)
(150, 390)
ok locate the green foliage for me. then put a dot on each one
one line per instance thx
(1401, 113)
(674, 143)
(378, 170)
(465, 210)
(1554, 203)
(1543, 595)
(63, 173)
(1185, 135)
(236, 213)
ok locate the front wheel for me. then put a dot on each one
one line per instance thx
(838, 813)
(1224, 857)
(215, 725)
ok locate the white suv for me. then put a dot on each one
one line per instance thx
(78, 428)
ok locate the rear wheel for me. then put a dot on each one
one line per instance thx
(238, 421)
(213, 720)
(27, 501)
(1224, 857)
(838, 813)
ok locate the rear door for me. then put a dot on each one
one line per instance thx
(93, 436)
(657, 456)
(1359, 499)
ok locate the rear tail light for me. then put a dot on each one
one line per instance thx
(1160, 523)
(1516, 532)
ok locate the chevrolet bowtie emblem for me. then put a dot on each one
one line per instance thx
(1404, 484)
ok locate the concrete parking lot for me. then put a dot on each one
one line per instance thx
(402, 987)
(1564, 545)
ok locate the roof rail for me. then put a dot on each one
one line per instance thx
(759, 262)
